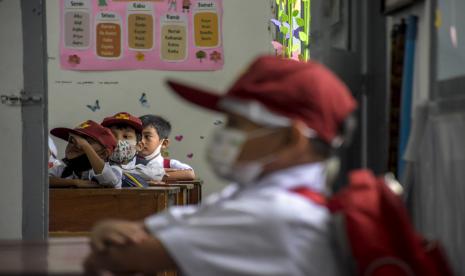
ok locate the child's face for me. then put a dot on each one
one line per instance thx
(72, 150)
(150, 141)
(127, 133)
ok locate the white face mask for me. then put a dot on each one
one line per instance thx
(124, 152)
(155, 153)
(224, 149)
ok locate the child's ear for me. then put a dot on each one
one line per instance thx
(139, 146)
(165, 143)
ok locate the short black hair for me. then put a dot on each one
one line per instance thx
(160, 124)
(122, 126)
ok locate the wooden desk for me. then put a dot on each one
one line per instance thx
(194, 195)
(74, 211)
(54, 257)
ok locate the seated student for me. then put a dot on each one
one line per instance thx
(86, 157)
(284, 118)
(155, 140)
(127, 130)
(52, 154)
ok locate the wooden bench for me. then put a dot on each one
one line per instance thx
(73, 212)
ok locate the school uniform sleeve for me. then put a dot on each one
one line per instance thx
(151, 171)
(56, 171)
(176, 164)
(240, 238)
(111, 175)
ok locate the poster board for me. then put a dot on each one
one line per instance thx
(181, 35)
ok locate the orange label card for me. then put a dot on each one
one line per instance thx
(206, 25)
(108, 31)
(140, 26)
(174, 37)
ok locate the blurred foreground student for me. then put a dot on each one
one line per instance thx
(286, 120)
(283, 119)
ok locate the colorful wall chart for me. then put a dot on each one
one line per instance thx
(179, 35)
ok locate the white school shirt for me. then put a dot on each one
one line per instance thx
(261, 229)
(174, 164)
(111, 175)
(151, 171)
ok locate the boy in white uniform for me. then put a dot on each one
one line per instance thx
(127, 130)
(155, 134)
(86, 157)
(284, 117)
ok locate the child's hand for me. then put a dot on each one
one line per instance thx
(117, 232)
(79, 142)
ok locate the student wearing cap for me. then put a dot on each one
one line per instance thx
(284, 118)
(127, 130)
(86, 157)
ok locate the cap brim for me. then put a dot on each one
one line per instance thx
(63, 133)
(203, 98)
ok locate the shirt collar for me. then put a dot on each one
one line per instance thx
(130, 165)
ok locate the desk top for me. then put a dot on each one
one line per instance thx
(55, 257)
(111, 191)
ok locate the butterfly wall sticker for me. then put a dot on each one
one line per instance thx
(95, 106)
(143, 101)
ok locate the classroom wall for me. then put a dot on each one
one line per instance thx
(451, 57)
(11, 80)
(245, 35)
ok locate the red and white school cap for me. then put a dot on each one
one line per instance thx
(275, 91)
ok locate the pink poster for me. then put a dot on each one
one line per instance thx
(182, 35)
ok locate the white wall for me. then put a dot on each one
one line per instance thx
(245, 35)
(11, 80)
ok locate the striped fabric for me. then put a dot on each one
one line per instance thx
(134, 181)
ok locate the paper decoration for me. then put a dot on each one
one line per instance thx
(183, 35)
(143, 101)
(293, 25)
(95, 106)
